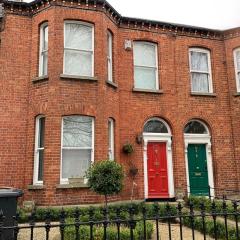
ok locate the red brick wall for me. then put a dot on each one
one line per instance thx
(14, 84)
(22, 100)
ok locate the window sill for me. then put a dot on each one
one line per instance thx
(147, 91)
(36, 187)
(203, 94)
(72, 185)
(236, 94)
(77, 77)
(112, 84)
(40, 79)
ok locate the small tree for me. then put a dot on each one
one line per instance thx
(105, 178)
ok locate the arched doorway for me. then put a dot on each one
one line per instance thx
(198, 159)
(158, 167)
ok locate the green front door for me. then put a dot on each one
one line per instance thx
(197, 167)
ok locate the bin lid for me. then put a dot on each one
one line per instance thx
(10, 192)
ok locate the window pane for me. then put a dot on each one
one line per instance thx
(239, 79)
(238, 60)
(44, 63)
(195, 127)
(200, 82)
(145, 78)
(109, 70)
(144, 54)
(155, 126)
(78, 63)
(111, 139)
(77, 131)
(45, 38)
(109, 42)
(40, 164)
(75, 162)
(41, 132)
(78, 36)
(199, 61)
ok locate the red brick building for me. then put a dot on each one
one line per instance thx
(78, 81)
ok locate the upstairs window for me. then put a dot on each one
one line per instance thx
(77, 146)
(39, 150)
(78, 49)
(200, 69)
(237, 67)
(145, 65)
(110, 139)
(43, 54)
(109, 56)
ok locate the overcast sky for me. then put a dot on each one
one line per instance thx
(216, 14)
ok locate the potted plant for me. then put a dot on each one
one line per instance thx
(127, 148)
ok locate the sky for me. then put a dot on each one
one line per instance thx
(214, 14)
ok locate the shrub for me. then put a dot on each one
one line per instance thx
(98, 232)
(105, 178)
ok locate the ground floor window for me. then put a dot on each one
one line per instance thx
(39, 150)
(77, 146)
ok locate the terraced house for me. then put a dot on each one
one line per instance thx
(78, 81)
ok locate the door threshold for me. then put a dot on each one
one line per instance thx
(167, 199)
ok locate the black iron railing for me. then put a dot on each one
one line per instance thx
(142, 222)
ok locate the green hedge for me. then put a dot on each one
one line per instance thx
(40, 213)
(98, 232)
(209, 227)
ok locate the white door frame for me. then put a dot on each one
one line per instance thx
(200, 139)
(159, 137)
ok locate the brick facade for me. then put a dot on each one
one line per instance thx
(22, 99)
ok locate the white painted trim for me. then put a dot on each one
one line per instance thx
(200, 139)
(36, 152)
(202, 50)
(155, 137)
(65, 180)
(152, 67)
(236, 68)
(92, 50)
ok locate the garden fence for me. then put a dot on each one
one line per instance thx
(216, 219)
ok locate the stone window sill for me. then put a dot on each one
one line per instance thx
(147, 91)
(203, 94)
(36, 187)
(77, 77)
(112, 84)
(72, 185)
(40, 79)
(236, 94)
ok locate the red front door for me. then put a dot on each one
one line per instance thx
(157, 170)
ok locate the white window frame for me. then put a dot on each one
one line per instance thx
(65, 180)
(110, 56)
(42, 51)
(80, 50)
(237, 71)
(111, 122)
(140, 66)
(201, 50)
(36, 152)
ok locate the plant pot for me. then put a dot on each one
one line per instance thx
(127, 148)
(133, 171)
